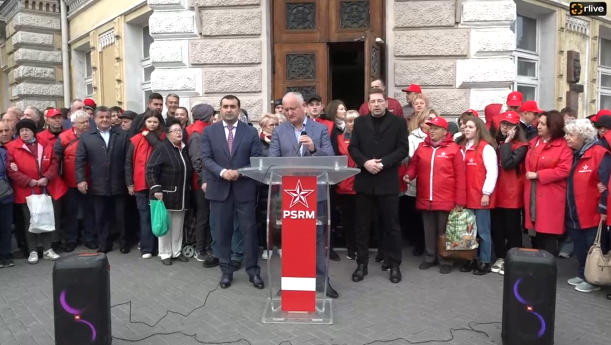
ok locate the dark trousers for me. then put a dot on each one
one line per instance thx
(435, 223)
(506, 230)
(20, 230)
(222, 228)
(6, 223)
(203, 236)
(148, 241)
(411, 221)
(73, 200)
(347, 207)
(547, 242)
(387, 207)
(132, 219)
(35, 241)
(583, 239)
(108, 208)
(58, 204)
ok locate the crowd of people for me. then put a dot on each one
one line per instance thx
(520, 169)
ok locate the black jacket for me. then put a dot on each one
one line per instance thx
(169, 171)
(530, 131)
(389, 144)
(107, 163)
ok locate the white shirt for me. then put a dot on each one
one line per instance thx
(226, 126)
(105, 135)
(492, 167)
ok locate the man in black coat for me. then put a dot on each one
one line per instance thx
(100, 172)
(378, 146)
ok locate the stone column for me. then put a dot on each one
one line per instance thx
(34, 52)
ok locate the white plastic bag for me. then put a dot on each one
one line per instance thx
(42, 217)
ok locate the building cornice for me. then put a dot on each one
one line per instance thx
(9, 8)
(77, 6)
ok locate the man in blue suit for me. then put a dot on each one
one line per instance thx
(288, 140)
(226, 147)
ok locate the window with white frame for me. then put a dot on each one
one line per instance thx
(88, 75)
(526, 57)
(147, 66)
(604, 75)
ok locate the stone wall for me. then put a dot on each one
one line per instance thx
(205, 49)
(33, 49)
(462, 59)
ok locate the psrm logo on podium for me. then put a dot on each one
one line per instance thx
(587, 8)
(298, 196)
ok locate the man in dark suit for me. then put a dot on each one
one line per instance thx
(100, 172)
(226, 147)
(288, 141)
(378, 145)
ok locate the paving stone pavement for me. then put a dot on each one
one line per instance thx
(424, 306)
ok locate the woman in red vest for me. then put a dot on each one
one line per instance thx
(548, 164)
(584, 210)
(439, 169)
(37, 173)
(138, 153)
(506, 216)
(481, 164)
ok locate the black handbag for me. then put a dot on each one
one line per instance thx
(5, 189)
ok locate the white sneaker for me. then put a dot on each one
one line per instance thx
(267, 254)
(575, 281)
(564, 255)
(50, 255)
(497, 265)
(587, 287)
(502, 270)
(280, 252)
(33, 259)
(147, 256)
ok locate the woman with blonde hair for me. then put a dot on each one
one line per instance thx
(268, 123)
(419, 102)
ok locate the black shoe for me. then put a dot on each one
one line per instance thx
(166, 262)
(210, 262)
(181, 258)
(9, 263)
(445, 269)
(395, 274)
(350, 255)
(104, 250)
(379, 257)
(226, 281)
(418, 251)
(333, 255)
(91, 245)
(236, 265)
(482, 269)
(70, 247)
(385, 266)
(56, 245)
(426, 265)
(257, 282)
(360, 273)
(469, 266)
(124, 249)
(331, 293)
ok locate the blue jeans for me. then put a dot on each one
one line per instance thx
(148, 241)
(72, 202)
(582, 241)
(482, 221)
(237, 242)
(567, 246)
(6, 231)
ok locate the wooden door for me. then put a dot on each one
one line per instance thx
(372, 61)
(300, 67)
(300, 21)
(348, 19)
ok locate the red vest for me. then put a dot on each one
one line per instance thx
(347, 185)
(510, 184)
(142, 153)
(69, 142)
(476, 176)
(29, 165)
(585, 190)
(197, 126)
(46, 137)
(327, 123)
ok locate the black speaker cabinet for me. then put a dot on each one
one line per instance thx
(529, 297)
(81, 300)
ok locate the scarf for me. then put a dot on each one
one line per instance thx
(341, 124)
(31, 141)
(437, 143)
(266, 137)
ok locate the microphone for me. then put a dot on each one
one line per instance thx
(301, 144)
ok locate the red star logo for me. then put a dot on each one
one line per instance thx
(299, 195)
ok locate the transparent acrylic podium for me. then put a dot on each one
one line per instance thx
(328, 170)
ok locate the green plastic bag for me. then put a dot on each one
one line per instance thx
(160, 219)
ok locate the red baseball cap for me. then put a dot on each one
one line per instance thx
(514, 99)
(439, 122)
(89, 103)
(511, 117)
(54, 112)
(413, 88)
(530, 106)
(474, 112)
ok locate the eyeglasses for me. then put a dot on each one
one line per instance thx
(176, 131)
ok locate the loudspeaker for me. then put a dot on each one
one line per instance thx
(529, 297)
(81, 300)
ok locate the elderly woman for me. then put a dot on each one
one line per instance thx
(168, 172)
(268, 122)
(585, 211)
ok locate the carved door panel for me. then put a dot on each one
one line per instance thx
(300, 21)
(349, 18)
(372, 61)
(300, 67)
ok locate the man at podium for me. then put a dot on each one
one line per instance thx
(300, 137)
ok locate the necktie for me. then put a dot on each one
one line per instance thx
(230, 138)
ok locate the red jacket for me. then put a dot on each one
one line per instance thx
(393, 106)
(197, 126)
(510, 183)
(347, 185)
(142, 153)
(69, 143)
(327, 123)
(29, 169)
(585, 181)
(46, 137)
(440, 173)
(552, 162)
(476, 177)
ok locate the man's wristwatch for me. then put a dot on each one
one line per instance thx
(312, 152)
(381, 165)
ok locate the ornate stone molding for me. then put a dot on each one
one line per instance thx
(106, 39)
(95, 76)
(118, 32)
(9, 8)
(578, 26)
(76, 6)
